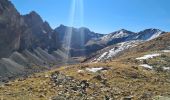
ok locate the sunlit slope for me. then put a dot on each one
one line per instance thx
(96, 81)
(160, 43)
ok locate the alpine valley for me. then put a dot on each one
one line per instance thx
(122, 65)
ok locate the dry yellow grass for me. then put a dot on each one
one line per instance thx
(124, 79)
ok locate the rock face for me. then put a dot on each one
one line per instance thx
(11, 27)
(41, 33)
(26, 42)
(79, 38)
(19, 32)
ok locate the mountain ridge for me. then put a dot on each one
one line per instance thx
(122, 36)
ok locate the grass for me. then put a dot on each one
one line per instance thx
(123, 78)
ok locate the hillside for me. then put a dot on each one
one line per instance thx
(114, 80)
(112, 51)
(160, 43)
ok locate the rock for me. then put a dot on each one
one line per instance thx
(46, 76)
(127, 98)
(161, 98)
(58, 98)
(98, 77)
(57, 78)
(21, 79)
(107, 98)
(75, 88)
(105, 68)
(5, 80)
(146, 95)
(135, 67)
(8, 84)
(133, 75)
(84, 66)
(105, 89)
(41, 95)
(104, 81)
(84, 84)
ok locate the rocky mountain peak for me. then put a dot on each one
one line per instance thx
(33, 17)
(6, 4)
(61, 25)
(84, 29)
(152, 30)
(34, 14)
(123, 31)
(149, 34)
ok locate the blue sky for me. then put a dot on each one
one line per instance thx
(103, 16)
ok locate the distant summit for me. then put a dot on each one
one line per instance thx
(149, 34)
(79, 38)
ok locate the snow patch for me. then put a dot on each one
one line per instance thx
(116, 49)
(122, 46)
(80, 71)
(94, 69)
(146, 66)
(44, 31)
(118, 34)
(102, 56)
(155, 35)
(166, 68)
(148, 56)
(166, 51)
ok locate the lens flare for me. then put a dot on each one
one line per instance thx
(82, 34)
(76, 12)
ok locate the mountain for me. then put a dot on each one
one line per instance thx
(40, 35)
(108, 42)
(117, 37)
(109, 39)
(27, 44)
(79, 38)
(149, 34)
(11, 27)
(125, 35)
